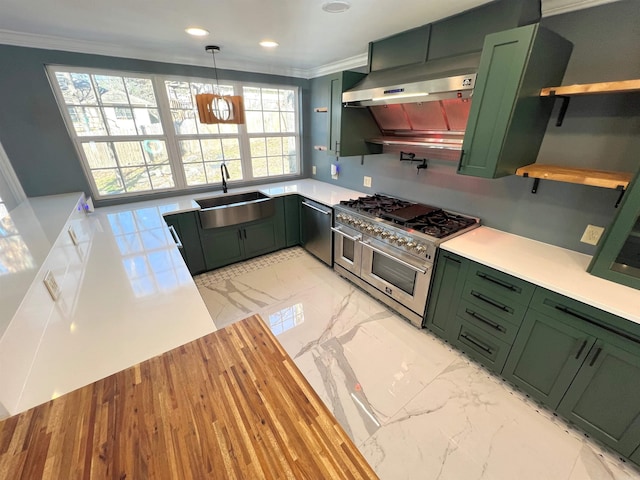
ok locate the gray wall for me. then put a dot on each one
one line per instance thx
(32, 129)
(600, 131)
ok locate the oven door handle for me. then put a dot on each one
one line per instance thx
(424, 272)
(357, 238)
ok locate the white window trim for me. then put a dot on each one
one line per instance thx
(169, 136)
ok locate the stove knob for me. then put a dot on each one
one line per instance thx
(384, 234)
(411, 245)
(393, 238)
(377, 231)
(370, 228)
(340, 217)
(421, 249)
(402, 241)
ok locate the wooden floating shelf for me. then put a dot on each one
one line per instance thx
(593, 88)
(583, 176)
(321, 109)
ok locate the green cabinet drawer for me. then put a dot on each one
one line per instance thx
(546, 356)
(563, 308)
(487, 321)
(480, 346)
(512, 288)
(501, 306)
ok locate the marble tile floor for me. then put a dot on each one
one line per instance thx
(416, 408)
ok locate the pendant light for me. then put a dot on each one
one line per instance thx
(217, 108)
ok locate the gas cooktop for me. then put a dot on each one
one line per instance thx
(432, 221)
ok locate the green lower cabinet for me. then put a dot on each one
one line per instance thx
(546, 356)
(187, 227)
(604, 398)
(292, 220)
(222, 246)
(446, 289)
(227, 245)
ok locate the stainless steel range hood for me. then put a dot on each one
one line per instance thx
(425, 105)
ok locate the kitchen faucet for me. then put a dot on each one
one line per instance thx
(223, 171)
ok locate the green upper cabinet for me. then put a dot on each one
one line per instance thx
(618, 255)
(604, 398)
(187, 227)
(508, 118)
(349, 127)
(404, 48)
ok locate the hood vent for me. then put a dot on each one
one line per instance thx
(424, 105)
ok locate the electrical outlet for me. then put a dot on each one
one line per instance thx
(313, 170)
(367, 181)
(334, 171)
(592, 234)
(51, 284)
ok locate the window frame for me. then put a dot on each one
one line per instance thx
(169, 135)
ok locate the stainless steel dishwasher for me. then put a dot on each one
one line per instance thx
(317, 238)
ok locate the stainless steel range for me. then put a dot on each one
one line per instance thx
(387, 247)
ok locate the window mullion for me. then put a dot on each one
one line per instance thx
(166, 118)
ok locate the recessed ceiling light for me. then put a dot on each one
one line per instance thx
(336, 6)
(197, 31)
(269, 44)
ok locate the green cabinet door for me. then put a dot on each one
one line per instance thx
(260, 238)
(405, 48)
(635, 457)
(508, 118)
(618, 255)
(446, 290)
(292, 220)
(349, 127)
(187, 227)
(546, 356)
(222, 246)
(604, 398)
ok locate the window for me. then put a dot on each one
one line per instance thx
(140, 133)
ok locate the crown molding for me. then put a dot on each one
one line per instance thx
(48, 42)
(356, 61)
(557, 7)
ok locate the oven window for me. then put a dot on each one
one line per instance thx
(348, 249)
(394, 273)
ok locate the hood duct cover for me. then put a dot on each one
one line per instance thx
(423, 106)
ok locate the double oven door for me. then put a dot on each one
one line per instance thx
(390, 271)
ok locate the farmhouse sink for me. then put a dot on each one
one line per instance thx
(227, 210)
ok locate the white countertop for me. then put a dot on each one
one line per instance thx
(554, 268)
(126, 293)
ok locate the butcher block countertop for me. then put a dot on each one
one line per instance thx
(231, 404)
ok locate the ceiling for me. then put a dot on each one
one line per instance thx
(312, 41)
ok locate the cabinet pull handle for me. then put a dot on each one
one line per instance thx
(324, 212)
(490, 301)
(175, 236)
(460, 161)
(337, 148)
(396, 259)
(568, 311)
(452, 259)
(491, 279)
(595, 356)
(584, 344)
(244, 230)
(477, 343)
(240, 234)
(483, 319)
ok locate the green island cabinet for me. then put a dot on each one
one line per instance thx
(618, 255)
(348, 127)
(508, 118)
(584, 363)
(227, 245)
(187, 227)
